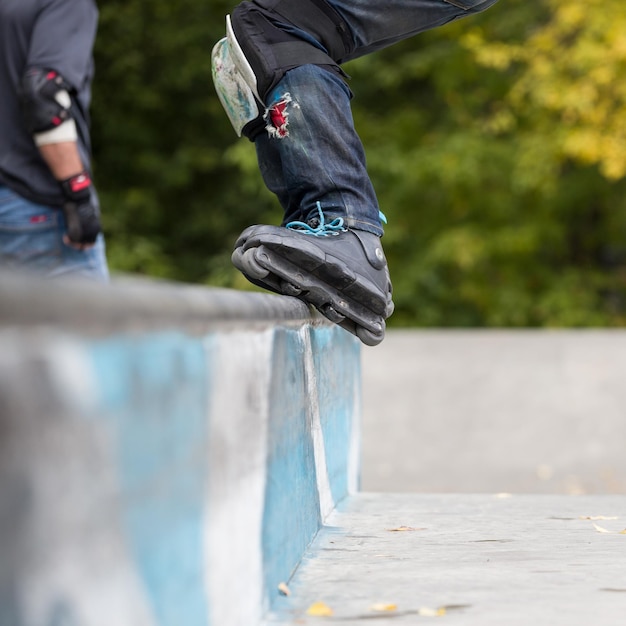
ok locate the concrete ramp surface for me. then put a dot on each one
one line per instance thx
(464, 560)
(523, 411)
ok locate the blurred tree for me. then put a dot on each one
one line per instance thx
(495, 144)
(492, 221)
(173, 180)
(571, 80)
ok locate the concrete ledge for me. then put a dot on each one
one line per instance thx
(167, 453)
(142, 304)
(521, 411)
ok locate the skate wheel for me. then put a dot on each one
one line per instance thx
(235, 257)
(369, 338)
(251, 266)
(289, 289)
(330, 313)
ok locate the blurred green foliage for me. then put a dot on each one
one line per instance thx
(499, 213)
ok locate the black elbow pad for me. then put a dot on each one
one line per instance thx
(45, 100)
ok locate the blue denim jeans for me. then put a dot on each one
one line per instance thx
(31, 238)
(319, 157)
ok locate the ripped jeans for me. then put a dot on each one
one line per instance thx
(311, 152)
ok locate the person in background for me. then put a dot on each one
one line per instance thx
(49, 210)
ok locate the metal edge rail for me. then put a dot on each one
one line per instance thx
(147, 304)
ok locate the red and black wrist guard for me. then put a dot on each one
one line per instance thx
(77, 188)
(81, 213)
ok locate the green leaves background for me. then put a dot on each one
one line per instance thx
(495, 145)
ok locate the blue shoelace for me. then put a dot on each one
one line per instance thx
(323, 229)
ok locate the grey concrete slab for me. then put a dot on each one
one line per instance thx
(468, 560)
(526, 411)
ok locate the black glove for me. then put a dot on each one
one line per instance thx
(81, 214)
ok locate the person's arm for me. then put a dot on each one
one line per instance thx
(62, 158)
(58, 64)
(81, 216)
(47, 109)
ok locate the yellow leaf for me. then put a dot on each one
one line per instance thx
(601, 530)
(383, 607)
(609, 532)
(319, 609)
(403, 529)
(428, 612)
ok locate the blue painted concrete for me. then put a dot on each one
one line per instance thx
(292, 515)
(155, 388)
(186, 462)
(337, 368)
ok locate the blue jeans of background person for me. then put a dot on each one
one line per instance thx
(321, 159)
(31, 238)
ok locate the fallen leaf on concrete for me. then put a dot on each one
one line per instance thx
(428, 612)
(381, 606)
(319, 609)
(282, 587)
(597, 517)
(601, 530)
(403, 529)
(609, 532)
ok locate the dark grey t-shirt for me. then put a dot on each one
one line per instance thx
(47, 34)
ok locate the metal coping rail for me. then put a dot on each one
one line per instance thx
(130, 303)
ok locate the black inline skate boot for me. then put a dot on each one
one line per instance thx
(341, 272)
